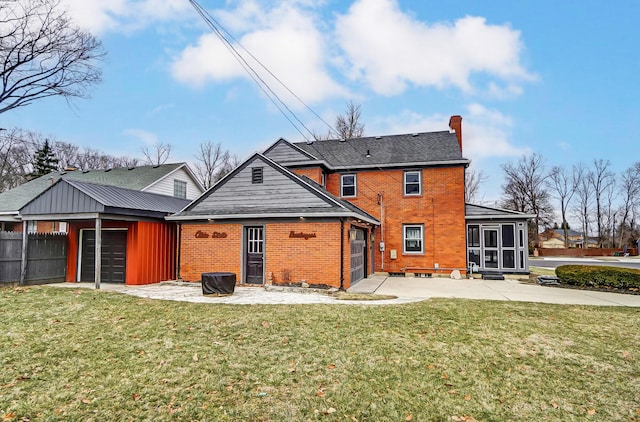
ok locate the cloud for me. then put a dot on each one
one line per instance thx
(285, 39)
(486, 133)
(123, 15)
(391, 50)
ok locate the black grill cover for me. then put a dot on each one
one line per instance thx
(218, 283)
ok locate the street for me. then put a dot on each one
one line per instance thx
(551, 262)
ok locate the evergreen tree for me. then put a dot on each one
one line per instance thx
(45, 161)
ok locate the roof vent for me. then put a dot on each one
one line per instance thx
(378, 137)
(85, 171)
(156, 166)
(343, 140)
(107, 170)
(414, 135)
(130, 168)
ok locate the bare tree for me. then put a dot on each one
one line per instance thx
(601, 180)
(15, 159)
(157, 154)
(584, 199)
(43, 55)
(227, 167)
(209, 160)
(563, 186)
(525, 190)
(347, 125)
(629, 189)
(472, 181)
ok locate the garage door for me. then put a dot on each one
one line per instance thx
(114, 256)
(358, 256)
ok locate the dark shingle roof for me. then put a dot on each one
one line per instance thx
(248, 205)
(421, 148)
(136, 178)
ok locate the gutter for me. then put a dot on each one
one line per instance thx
(341, 254)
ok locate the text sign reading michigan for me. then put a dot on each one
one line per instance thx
(301, 235)
(204, 235)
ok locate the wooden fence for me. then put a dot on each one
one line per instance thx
(46, 258)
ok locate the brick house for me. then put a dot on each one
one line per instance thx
(554, 238)
(268, 224)
(408, 195)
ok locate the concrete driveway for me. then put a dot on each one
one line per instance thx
(508, 290)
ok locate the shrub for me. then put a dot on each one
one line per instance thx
(599, 276)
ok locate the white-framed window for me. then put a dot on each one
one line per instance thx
(32, 226)
(413, 182)
(180, 189)
(348, 185)
(413, 238)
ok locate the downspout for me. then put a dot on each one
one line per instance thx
(341, 254)
(381, 232)
(178, 244)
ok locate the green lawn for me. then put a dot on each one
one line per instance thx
(70, 354)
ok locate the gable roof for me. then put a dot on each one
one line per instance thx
(136, 178)
(481, 212)
(281, 194)
(418, 149)
(78, 198)
(283, 150)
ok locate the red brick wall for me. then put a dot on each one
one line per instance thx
(315, 260)
(313, 173)
(440, 208)
(288, 260)
(201, 254)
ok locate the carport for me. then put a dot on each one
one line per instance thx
(115, 234)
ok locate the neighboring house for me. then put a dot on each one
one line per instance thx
(175, 179)
(409, 194)
(119, 212)
(554, 238)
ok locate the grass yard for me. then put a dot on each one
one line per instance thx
(70, 354)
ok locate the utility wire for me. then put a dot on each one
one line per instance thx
(222, 28)
(262, 84)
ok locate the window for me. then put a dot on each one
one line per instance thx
(473, 236)
(413, 239)
(348, 185)
(180, 189)
(412, 181)
(256, 175)
(509, 259)
(32, 226)
(508, 236)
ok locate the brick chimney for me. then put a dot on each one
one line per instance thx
(455, 123)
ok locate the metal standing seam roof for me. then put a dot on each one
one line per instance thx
(473, 211)
(135, 178)
(112, 197)
(426, 147)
